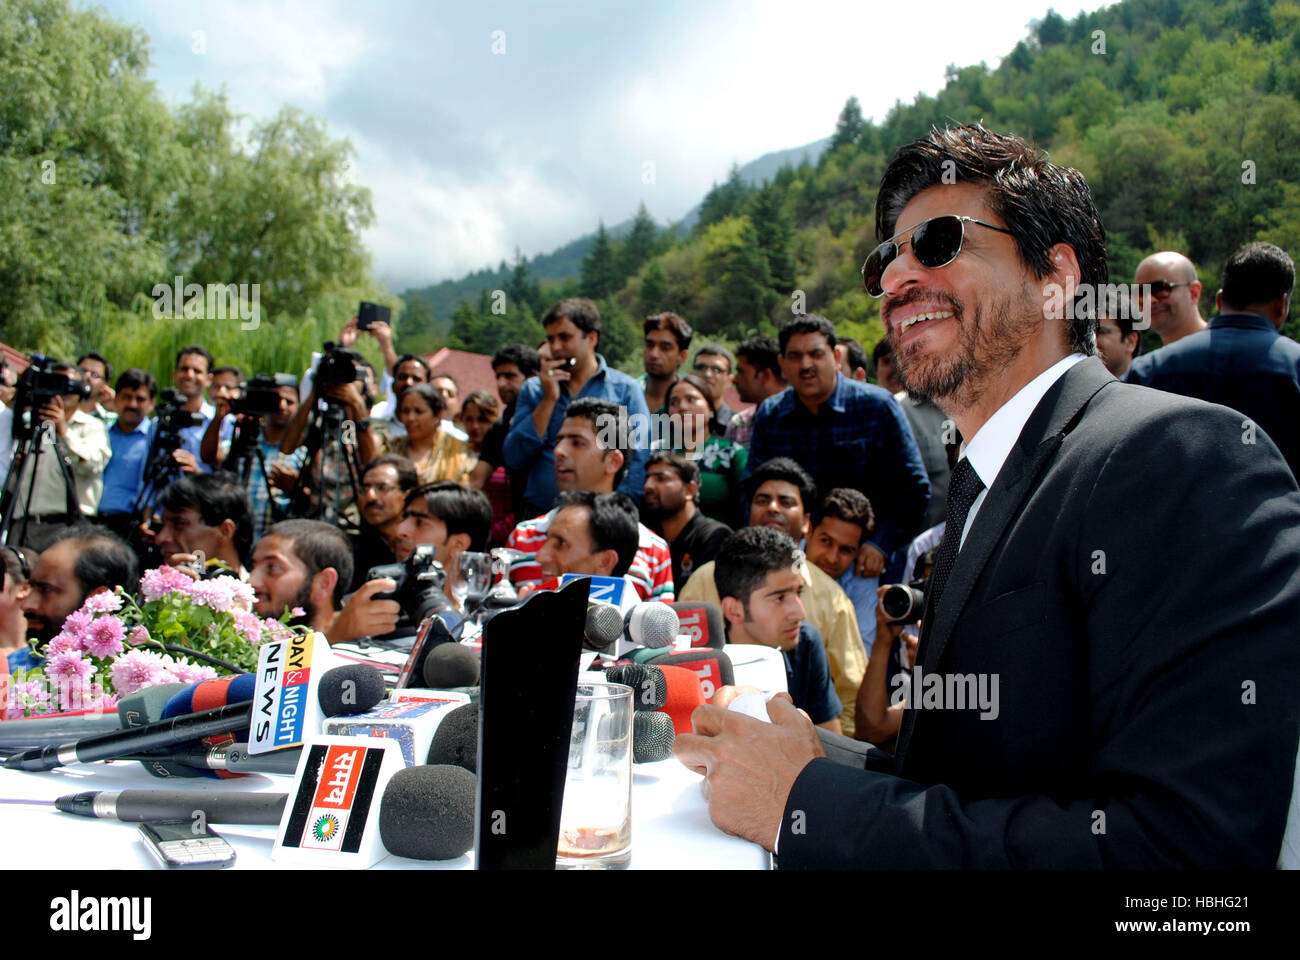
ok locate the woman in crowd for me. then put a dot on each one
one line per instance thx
(479, 411)
(437, 455)
(721, 462)
(15, 566)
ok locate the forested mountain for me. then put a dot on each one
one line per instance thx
(1184, 116)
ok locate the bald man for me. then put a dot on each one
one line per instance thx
(1175, 297)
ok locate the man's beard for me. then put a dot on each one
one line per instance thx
(988, 344)
(304, 600)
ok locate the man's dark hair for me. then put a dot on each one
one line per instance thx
(717, 350)
(108, 367)
(783, 468)
(1117, 307)
(103, 559)
(580, 311)
(215, 497)
(747, 556)
(808, 323)
(881, 349)
(228, 368)
(856, 356)
(762, 353)
(412, 358)
(486, 402)
(686, 468)
(1257, 273)
(677, 326)
(521, 355)
(429, 395)
(446, 376)
(461, 510)
(319, 546)
(133, 378)
(847, 504)
(407, 477)
(607, 419)
(612, 524)
(196, 350)
(1041, 203)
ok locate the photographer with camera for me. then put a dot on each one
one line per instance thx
(335, 423)
(263, 411)
(227, 384)
(97, 372)
(129, 437)
(59, 455)
(192, 376)
(451, 518)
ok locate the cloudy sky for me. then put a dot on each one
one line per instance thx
(489, 126)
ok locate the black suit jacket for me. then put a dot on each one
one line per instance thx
(1132, 580)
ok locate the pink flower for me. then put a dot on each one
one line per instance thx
(77, 623)
(298, 612)
(139, 635)
(186, 672)
(68, 665)
(137, 669)
(164, 580)
(63, 643)
(103, 603)
(104, 639)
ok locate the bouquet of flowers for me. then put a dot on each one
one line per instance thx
(115, 645)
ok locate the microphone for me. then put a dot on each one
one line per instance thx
(650, 690)
(226, 757)
(455, 742)
(713, 667)
(428, 812)
(451, 665)
(135, 709)
(653, 737)
(603, 626)
(138, 806)
(702, 622)
(340, 691)
(651, 624)
(684, 695)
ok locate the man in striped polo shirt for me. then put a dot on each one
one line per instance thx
(592, 452)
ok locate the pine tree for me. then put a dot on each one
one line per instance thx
(654, 289)
(744, 283)
(775, 232)
(849, 126)
(599, 271)
(639, 244)
(727, 200)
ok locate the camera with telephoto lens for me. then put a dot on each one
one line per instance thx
(903, 602)
(260, 396)
(419, 584)
(339, 367)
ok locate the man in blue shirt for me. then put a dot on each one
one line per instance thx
(1241, 360)
(192, 376)
(573, 370)
(846, 434)
(840, 523)
(129, 439)
(759, 580)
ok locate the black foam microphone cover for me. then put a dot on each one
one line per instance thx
(455, 742)
(652, 737)
(427, 813)
(351, 688)
(451, 665)
(649, 689)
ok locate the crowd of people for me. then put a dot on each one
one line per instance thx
(791, 513)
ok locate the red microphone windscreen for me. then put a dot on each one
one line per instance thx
(684, 695)
(702, 622)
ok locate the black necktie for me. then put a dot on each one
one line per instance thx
(963, 487)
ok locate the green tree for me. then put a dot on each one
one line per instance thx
(599, 269)
(722, 201)
(774, 231)
(654, 288)
(639, 245)
(849, 126)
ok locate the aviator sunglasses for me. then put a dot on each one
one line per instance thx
(1160, 289)
(935, 243)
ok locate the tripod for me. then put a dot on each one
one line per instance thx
(245, 449)
(31, 439)
(332, 458)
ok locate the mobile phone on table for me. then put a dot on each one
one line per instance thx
(177, 844)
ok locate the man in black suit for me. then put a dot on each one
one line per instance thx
(1119, 571)
(1241, 359)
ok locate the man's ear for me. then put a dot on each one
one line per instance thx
(1218, 300)
(807, 525)
(322, 588)
(606, 561)
(457, 543)
(733, 611)
(227, 529)
(1065, 269)
(692, 490)
(840, 351)
(614, 460)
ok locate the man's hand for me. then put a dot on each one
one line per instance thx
(105, 394)
(282, 477)
(553, 373)
(55, 413)
(348, 335)
(364, 616)
(186, 563)
(749, 767)
(185, 460)
(381, 332)
(348, 394)
(871, 562)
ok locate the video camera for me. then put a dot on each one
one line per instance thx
(260, 396)
(39, 384)
(339, 367)
(172, 415)
(419, 584)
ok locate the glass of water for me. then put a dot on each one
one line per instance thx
(596, 819)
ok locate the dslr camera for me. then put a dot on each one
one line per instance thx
(339, 367)
(903, 602)
(260, 396)
(39, 385)
(419, 584)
